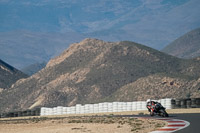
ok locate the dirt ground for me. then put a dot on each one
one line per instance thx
(89, 123)
(80, 125)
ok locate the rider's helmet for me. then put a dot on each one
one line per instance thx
(148, 100)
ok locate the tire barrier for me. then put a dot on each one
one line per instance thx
(35, 112)
(173, 103)
(186, 103)
(105, 107)
(193, 103)
(183, 103)
(198, 102)
(177, 103)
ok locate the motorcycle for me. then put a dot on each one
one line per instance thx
(158, 109)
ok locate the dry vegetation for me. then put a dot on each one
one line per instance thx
(88, 124)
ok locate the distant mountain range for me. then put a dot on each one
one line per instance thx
(9, 75)
(186, 46)
(36, 31)
(94, 71)
(34, 68)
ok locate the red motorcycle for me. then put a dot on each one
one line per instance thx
(156, 108)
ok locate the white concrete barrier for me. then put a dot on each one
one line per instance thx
(168, 103)
(78, 108)
(96, 108)
(110, 107)
(115, 107)
(139, 105)
(103, 107)
(144, 105)
(129, 106)
(134, 106)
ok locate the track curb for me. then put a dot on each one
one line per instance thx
(173, 125)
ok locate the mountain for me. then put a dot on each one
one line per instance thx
(94, 70)
(186, 46)
(34, 68)
(9, 75)
(36, 31)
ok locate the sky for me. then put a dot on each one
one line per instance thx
(86, 16)
(154, 23)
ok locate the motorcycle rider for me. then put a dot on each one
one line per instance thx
(153, 106)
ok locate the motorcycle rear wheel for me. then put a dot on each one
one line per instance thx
(163, 113)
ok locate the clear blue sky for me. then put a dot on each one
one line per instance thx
(154, 23)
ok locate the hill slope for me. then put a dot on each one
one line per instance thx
(186, 46)
(9, 75)
(93, 70)
(156, 87)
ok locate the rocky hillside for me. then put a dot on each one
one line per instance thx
(93, 70)
(155, 87)
(9, 75)
(186, 46)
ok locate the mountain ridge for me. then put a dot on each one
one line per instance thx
(9, 75)
(94, 70)
(186, 46)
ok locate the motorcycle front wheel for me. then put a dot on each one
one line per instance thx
(151, 113)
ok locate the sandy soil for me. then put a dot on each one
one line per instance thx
(81, 125)
(178, 111)
(78, 124)
(63, 128)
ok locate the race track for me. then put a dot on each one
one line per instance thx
(194, 120)
(177, 123)
(187, 123)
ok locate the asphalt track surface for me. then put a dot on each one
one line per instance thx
(193, 119)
